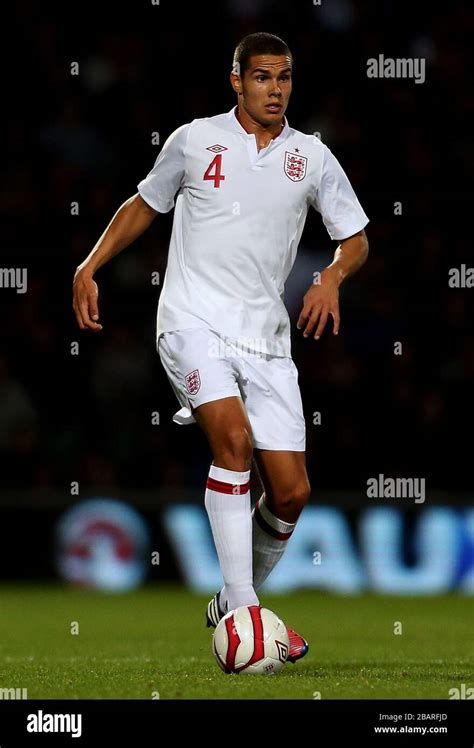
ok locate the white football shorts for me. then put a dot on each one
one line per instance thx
(202, 366)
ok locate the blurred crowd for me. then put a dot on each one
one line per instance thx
(90, 415)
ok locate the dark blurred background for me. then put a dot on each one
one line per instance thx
(87, 138)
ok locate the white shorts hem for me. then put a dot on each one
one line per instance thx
(218, 395)
(185, 416)
(280, 447)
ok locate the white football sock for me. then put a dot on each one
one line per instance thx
(227, 504)
(269, 538)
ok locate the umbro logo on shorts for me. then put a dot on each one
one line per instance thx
(193, 382)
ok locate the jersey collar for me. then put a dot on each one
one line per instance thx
(235, 124)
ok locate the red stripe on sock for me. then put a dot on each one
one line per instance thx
(222, 487)
(268, 528)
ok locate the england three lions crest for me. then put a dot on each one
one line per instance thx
(193, 382)
(295, 166)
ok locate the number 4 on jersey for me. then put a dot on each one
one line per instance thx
(217, 176)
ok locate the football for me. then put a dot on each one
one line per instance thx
(251, 640)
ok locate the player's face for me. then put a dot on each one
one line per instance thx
(266, 88)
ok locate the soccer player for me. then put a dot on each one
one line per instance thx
(241, 184)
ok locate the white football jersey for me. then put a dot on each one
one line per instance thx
(239, 215)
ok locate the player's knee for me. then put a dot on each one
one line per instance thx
(301, 494)
(235, 450)
(289, 504)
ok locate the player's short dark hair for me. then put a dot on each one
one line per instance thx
(260, 43)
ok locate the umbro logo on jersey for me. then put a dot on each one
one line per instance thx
(216, 148)
(295, 166)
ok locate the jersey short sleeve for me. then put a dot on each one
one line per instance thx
(336, 201)
(159, 188)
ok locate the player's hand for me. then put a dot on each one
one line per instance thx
(85, 292)
(320, 301)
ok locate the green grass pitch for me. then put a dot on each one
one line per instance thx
(154, 641)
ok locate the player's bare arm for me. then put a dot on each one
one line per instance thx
(129, 222)
(322, 299)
